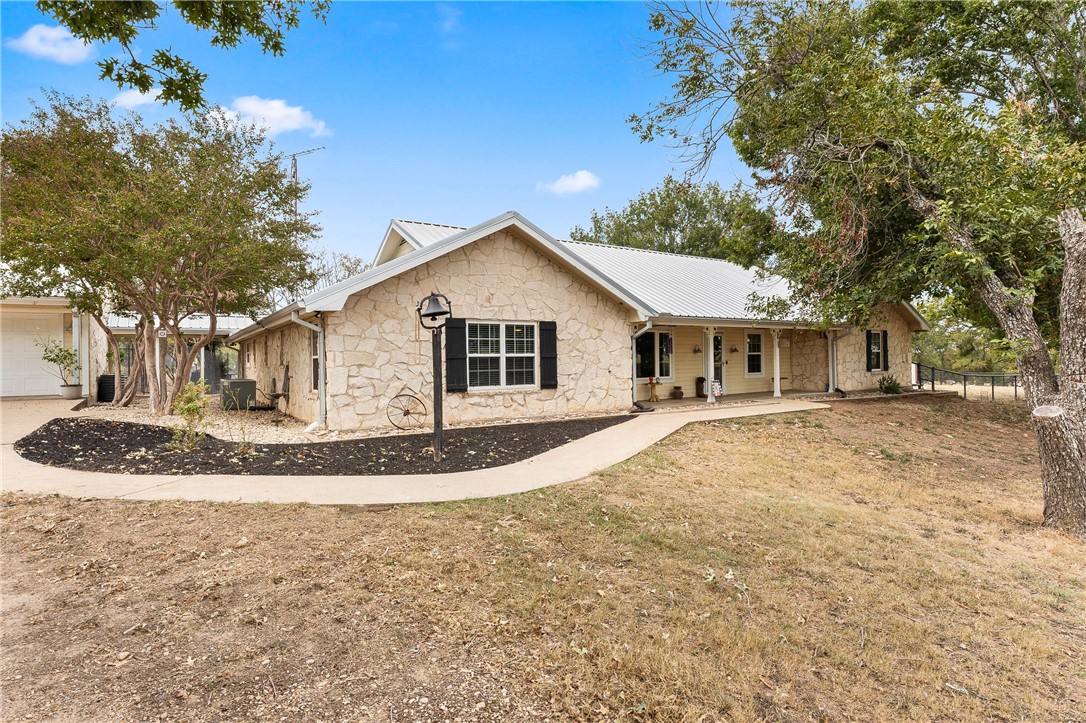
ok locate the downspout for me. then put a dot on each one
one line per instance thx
(322, 404)
(633, 359)
(834, 338)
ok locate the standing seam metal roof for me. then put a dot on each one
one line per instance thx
(197, 322)
(425, 234)
(677, 285)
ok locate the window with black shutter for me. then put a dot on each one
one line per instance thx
(456, 355)
(878, 358)
(548, 355)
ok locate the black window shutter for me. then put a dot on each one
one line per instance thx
(456, 355)
(548, 355)
(870, 366)
(886, 351)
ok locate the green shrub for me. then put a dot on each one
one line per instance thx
(888, 384)
(191, 404)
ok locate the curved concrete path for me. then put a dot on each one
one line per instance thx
(569, 462)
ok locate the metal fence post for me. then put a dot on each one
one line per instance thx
(993, 387)
(1015, 378)
(965, 389)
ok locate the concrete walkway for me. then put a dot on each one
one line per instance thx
(570, 462)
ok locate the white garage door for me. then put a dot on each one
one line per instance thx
(22, 372)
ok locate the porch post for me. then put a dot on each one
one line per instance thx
(776, 361)
(710, 366)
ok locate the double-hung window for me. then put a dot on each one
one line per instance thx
(878, 351)
(754, 354)
(501, 355)
(652, 352)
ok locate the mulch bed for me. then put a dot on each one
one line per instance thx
(97, 445)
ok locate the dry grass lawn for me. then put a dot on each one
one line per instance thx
(878, 561)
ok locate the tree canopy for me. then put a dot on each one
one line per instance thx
(684, 217)
(910, 147)
(167, 221)
(230, 23)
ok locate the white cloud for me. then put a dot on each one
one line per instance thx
(52, 43)
(449, 18)
(134, 98)
(275, 115)
(570, 183)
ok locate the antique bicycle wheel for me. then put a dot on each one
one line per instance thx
(407, 411)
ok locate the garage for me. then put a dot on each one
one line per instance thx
(22, 372)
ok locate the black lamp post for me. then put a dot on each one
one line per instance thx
(433, 309)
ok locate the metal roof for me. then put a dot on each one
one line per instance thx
(424, 234)
(226, 324)
(334, 297)
(677, 285)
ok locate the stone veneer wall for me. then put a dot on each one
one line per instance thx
(810, 361)
(269, 356)
(376, 349)
(852, 374)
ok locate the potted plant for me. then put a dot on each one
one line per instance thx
(67, 363)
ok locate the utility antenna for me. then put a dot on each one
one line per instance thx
(294, 168)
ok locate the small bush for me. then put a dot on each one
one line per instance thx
(888, 384)
(64, 359)
(191, 405)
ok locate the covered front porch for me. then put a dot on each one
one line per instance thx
(684, 363)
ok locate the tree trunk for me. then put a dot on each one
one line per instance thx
(1059, 408)
(1061, 428)
(1063, 469)
(127, 393)
(151, 357)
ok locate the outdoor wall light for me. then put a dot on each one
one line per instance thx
(734, 349)
(697, 350)
(433, 307)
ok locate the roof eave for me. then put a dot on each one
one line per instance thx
(676, 320)
(334, 297)
(271, 321)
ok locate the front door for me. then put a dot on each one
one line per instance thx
(719, 362)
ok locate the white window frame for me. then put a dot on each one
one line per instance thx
(747, 354)
(502, 355)
(656, 358)
(875, 340)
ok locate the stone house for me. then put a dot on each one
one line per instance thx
(541, 327)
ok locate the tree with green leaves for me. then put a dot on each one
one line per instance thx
(683, 217)
(163, 222)
(230, 22)
(909, 148)
(958, 344)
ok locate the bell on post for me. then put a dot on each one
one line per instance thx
(432, 307)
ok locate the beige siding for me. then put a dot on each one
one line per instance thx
(688, 366)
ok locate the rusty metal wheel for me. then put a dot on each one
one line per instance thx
(406, 411)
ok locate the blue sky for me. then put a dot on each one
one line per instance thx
(446, 112)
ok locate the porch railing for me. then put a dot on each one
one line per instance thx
(982, 384)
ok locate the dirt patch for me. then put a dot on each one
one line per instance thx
(867, 562)
(97, 445)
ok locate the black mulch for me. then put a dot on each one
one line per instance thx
(97, 445)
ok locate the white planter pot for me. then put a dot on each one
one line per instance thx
(71, 391)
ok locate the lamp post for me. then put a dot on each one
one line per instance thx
(433, 309)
